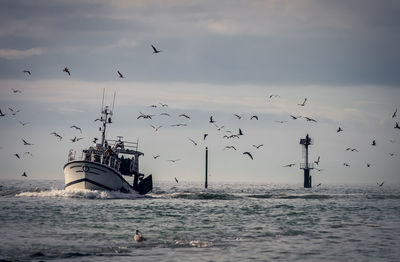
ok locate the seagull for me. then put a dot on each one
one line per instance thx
(271, 96)
(17, 156)
(26, 143)
(138, 236)
(318, 185)
(204, 136)
(194, 142)
(155, 128)
(310, 119)
(218, 127)
(27, 71)
(98, 119)
(317, 161)
(258, 146)
(392, 154)
(248, 153)
(13, 112)
(57, 135)
(66, 70)
(179, 125)
(380, 184)
(231, 136)
(163, 105)
(144, 116)
(176, 180)
(28, 153)
(120, 75)
(294, 117)
(23, 123)
(239, 117)
(230, 147)
(345, 164)
(240, 132)
(289, 165)
(319, 170)
(165, 114)
(352, 149)
(211, 120)
(173, 160)
(16, 91)
(373, 143)
(368, 164)
(77, 128)
(281, 121)
(24, 174)
(157, 156)
(254, 117)
(304, 102)
(397, 126)
(339, 130)
(2, 114)
(155, 51)
(183, 115)
(394, 114)
(76, 139)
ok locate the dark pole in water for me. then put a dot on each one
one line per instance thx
(206, 183)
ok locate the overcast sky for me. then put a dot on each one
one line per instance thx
(218, 58)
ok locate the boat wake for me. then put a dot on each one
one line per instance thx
(80, 193)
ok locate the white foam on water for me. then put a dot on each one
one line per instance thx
(81, 193)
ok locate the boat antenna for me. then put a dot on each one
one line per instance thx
(102, 101)
(112, 110)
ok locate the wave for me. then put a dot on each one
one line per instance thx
(284, 196)
(80, 193)
(204, 196)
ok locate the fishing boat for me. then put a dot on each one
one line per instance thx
(107, 165)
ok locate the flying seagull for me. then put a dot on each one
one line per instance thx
(28, 153)
(271, 96)
(17, 156)
(194, 142)
(157, 156)
(211, 120)
(56, 135)
(294, 117)
(66, 70)
(155, 128)
(138, 236)
(397, 126)
(304, 102)
(179, 125)
(27, 71)
(120, 75)
(24, 174)
(173, 160)
(230, 147)
(77, 128)
(26, 143)
(23, 123)
(154, 106)
(165, 114)
(289, 165)
(2, 114)
(345, 164)
(248, 153)
(185, 116)
(258, 146)
(239, 117)
(368, 164)
(163, 105)
(155, 51)
(317, 161)
(204, 136)
(240, 132)
(310, 119)
(13, 112)
(373, 143)
(176, 180)
(254, 117)
(281, 121)
(339, 130)
(380, 184)
(394, 114)
(16, 91)
(76, 139)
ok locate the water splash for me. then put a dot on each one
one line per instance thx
(80, 193)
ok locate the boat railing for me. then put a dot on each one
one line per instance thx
(125, 145)
(98, 157)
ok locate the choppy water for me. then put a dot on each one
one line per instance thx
(182, 222)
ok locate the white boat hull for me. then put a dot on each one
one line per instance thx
(94, 176)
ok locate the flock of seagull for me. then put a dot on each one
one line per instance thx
(227, 134)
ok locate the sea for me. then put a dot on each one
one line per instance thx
(40, 221)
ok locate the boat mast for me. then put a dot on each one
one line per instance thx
(105, 113)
